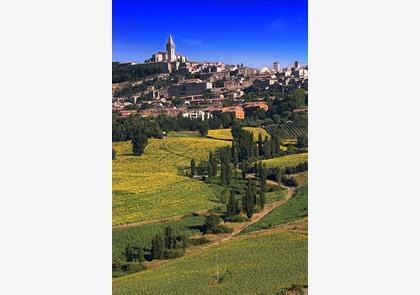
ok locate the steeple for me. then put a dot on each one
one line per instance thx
(170, 49)
(170, 41)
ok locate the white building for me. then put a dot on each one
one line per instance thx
(197, 115)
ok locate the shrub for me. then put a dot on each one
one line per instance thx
(236, 218)
(220, 229)
(172, 253)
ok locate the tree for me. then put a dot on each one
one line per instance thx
(193, 168)
(168, 237)
(228, 174)
(232, 205)
(213, 163)
(129, 253)
(210, 222)
(203, 128)
(157, 247)
(113, 154)
(302, 141)
(261, 199)
(202, 168)
(248, 200)
(277, 173)
(139, 142)
(140, 254)
(263, 177)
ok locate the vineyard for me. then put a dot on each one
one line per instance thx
(294, 209)
(247, 265)
(149, 187)
(224, 134)
(289, 130)
(284, 161)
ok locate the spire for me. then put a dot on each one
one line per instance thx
(170, 41)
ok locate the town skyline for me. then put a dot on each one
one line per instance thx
(278, 32)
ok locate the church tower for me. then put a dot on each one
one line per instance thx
(170, 49)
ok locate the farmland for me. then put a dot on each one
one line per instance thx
(142, 235)
(293, 209)
(151, 187)
(249, 265)
(289, 130)
(225, 134)
(284, 161)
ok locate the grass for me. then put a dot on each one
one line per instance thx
(143, 235)
(295, 208)
(301, 177)
(224, 134)
(284, 161)
(150, 186)
(247, 265)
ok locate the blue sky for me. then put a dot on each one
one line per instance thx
(255, 33)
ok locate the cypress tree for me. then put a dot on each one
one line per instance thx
(228, 175)
(157, 247)
(232, 205)
(260, 144)
(210, 170)
(263, 178)
(129, 253)
(261, 199)
(140, 254)
(193, 168)
(168, 237)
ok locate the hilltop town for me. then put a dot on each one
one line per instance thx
(169, 83)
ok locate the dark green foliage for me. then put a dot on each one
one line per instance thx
(114, 153)
(261, 199)
(140, 254)
(249, 199)
(213, 164)
(193, 168)
(289, 181)
(121, 269)
(169, 238)
(263, 177)
(211, 222)
(232, 206)
(129, 253)
(202, 168)
(172, 253)
(236, 218)
(203, 128)
(302, 141)
(157, 247)
(139, 142)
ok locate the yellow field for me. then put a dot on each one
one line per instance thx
(251, 265)
(150, 187)
(289, 160)
(224, 134)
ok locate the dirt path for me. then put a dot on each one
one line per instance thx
(257, 216)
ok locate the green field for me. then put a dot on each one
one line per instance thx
(225, 134)
(143, 235)
(293, 209)
(256, 265)
(150, 186)
(284, 161)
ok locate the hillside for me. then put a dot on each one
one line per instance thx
(150, 187)
(250, 264)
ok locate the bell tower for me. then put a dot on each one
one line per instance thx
(170, 49)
